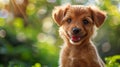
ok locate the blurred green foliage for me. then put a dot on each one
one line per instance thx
(112, 61)
(37, 43)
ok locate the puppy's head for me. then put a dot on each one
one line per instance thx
(77, 22)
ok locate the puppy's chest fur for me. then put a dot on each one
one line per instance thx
(75, 56)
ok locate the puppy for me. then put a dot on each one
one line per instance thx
(77, 25)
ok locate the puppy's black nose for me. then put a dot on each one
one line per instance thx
(76, 30)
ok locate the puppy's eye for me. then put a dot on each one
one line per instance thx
(69, 20)
(85, 21)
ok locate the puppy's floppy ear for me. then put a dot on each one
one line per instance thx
(59, 13)
(98, 16)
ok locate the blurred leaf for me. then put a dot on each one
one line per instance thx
(1, 65)
(30, 9)
(37, 65)
(112, 61)
(2, 21)
(18, 23)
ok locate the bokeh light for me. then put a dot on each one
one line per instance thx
(2, 33)
(4, 1)
(47, 25)
(106, 47)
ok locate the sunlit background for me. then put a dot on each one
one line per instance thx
(29, 37)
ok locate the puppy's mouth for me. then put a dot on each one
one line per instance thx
(75, 38)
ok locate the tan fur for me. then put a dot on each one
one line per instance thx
(18, 9)
(82, 53)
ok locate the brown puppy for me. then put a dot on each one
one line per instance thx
(77, 25)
